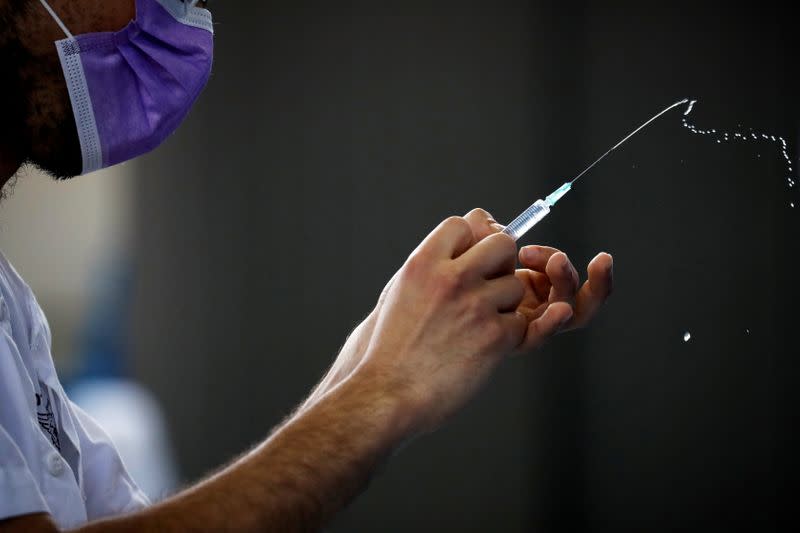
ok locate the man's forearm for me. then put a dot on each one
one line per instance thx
(346, 361)
(306, 471)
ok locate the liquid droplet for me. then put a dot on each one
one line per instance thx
(754, 136)
(687, 336)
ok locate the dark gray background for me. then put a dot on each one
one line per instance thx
(330, 140)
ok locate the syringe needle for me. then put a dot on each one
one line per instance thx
(634, 132)
(541, 208)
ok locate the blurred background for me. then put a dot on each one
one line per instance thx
(220, 274)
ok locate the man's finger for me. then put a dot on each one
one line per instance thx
(535, 257)
(482, 224)
(449, 239)
(516, 326)
(492, 257)
(505, 293)
(538, 283)
(554, 318)
(563, 277)
(595, 291)
(532, 312)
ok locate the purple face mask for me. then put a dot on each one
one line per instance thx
(130, 89)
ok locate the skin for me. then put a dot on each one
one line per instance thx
(444, 322)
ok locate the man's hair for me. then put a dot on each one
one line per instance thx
(40, 129)
(12, 55)
(9, 9)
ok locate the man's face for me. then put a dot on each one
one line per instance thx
(38, 126)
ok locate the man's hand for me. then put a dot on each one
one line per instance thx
(550, 280)
(550, 286)
(453, 313)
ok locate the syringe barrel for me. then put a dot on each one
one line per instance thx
(528, 219)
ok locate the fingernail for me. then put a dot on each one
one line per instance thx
(529, 253)
(498, 227)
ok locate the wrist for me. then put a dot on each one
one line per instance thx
(391, 402)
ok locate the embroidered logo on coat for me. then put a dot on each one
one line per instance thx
(47, 419)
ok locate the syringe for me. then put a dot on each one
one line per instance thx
(536, 212)
(540, 208)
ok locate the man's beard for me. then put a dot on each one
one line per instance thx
(37, 122)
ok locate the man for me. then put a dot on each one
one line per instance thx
(120, 77)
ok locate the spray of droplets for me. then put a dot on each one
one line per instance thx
(741, 135)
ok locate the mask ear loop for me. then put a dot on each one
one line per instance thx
(58, 20)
